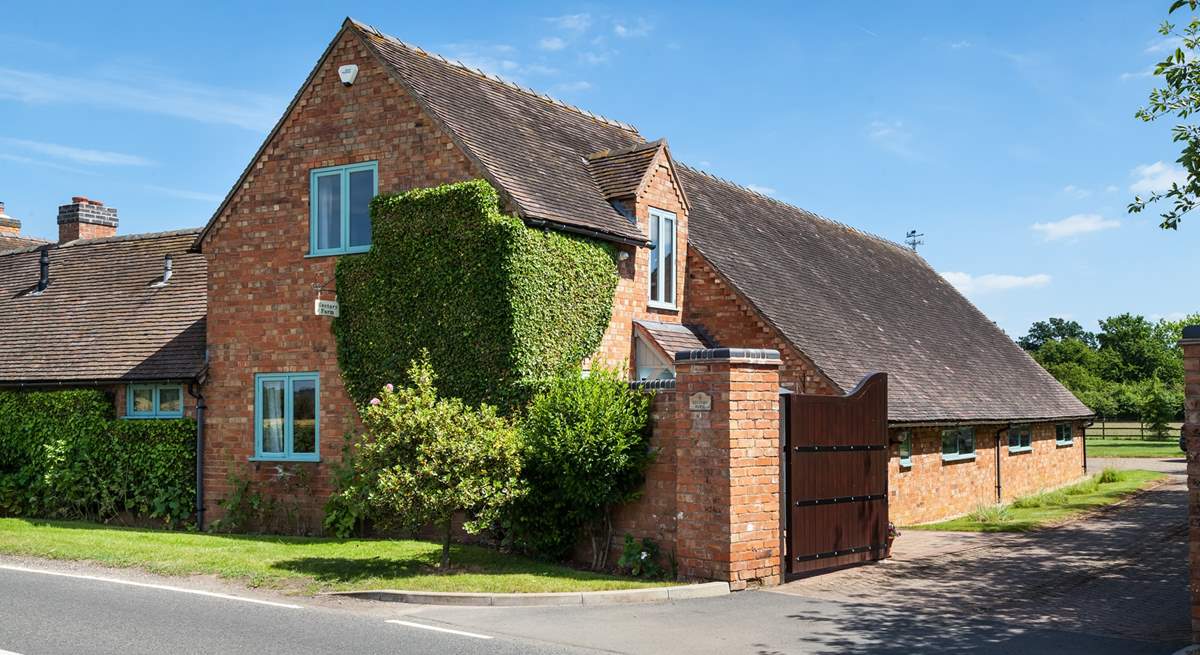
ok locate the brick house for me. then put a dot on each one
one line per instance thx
(93, 309)
(704, 263)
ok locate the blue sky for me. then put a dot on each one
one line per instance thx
(1003, 131)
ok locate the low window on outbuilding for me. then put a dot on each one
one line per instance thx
(154, 401)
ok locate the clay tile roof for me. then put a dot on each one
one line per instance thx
(15, 243)
(673, 337)
(856, 303)
(619, 173)
(531, 146)
(101, 319)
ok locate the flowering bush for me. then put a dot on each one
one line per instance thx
(640, 559)
(423, 458)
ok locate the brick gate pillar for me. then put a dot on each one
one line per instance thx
(727, 463)
(1191, 432)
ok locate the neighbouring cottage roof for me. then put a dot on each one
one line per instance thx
(855, 303)
(101, 318)
(620, 173)
(16, 243)
(673, 338)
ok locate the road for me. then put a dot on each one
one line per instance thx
(1112, 584)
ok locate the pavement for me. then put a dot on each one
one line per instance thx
(1114, 583)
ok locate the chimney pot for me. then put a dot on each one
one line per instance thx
(85, 219)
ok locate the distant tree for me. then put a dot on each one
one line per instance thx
(1131, 351)
(1055, 329)
(1179, 96)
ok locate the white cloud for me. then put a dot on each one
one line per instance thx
(1137, 75)
(144, 92)
(572, 87)
(758, 188)
(1165, 44)
(1076, 192)
(29, 161)
(1169, 316)
(594, 57)
(552, 43)
(495, 59)
(1112, 188)
(572, 22)
(1075, 225)
(959, 45)
(78, 155)
(632, 29)
(968, 284)
(892, 136)
(1158, 176)
(185, 194)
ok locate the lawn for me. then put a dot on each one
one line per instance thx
(1048, 508)
(1133, 447)
(299, 564)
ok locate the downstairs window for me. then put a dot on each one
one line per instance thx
(1020, 439)
(286, 417)
(154, 401)
(958, 443)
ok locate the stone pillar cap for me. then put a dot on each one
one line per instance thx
(741, 355)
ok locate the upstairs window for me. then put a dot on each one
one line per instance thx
(340, 215)
(286, 416)
(662, 259)
(154, 401)
(1064, 434)
(1020, 439)
(958, 443)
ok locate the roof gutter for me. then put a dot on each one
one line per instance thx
(595, 234)
(951, 423)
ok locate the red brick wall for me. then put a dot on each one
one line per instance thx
(72, 231)
(653, 514)
(632, 298)
(1191, 431)
(932, 489)
(730, 319)
(260, 281)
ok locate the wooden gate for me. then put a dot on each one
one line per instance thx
(835, 478)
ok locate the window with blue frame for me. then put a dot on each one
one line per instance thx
(339, 212)
(958, 443)
(906, 448)
(1064, 434)
(154, 401)
(1020, 439)
(286, 416)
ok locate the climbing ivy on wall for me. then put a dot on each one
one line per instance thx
(498, 305)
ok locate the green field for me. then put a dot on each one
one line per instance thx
(1047, 508)
(299, 564)
(1133, 448)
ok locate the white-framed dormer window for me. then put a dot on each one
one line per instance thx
(662, 259)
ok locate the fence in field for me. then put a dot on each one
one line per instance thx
(1127, 430)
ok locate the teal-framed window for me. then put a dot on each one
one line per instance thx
(958, 444)
(1020, 439)
(340, 208)
(1064, 434)
(154, 401)
(287, 417)
(906, 448)
(662, 258)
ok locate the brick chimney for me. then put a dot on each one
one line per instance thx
(9, 226)
(85, 219)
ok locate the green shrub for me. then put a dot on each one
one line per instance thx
(1088, 486)
(64, 454)
(1043, 499)
(1110, 476)
(495, 303)
(586, 449)
(639, 558)
(423, 458)
(990, 514)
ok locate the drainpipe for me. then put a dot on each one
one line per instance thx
(194, 391)
(999, 489)
(1083, 440)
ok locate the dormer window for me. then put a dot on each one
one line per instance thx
(662, 259)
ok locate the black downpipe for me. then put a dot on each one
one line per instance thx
(1083, 440)
(194, 391)
(999, 488)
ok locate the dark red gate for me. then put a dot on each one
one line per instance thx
(835, 478)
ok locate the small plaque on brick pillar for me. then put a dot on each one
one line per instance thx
(699, 402)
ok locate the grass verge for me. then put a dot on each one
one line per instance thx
(1134, 448)
(1039, 510)
(299, 564)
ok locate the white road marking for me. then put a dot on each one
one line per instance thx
(197, 592)
(437, 629)
(7, 652)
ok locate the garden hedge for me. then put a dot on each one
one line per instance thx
(498, 305)
(64, 454)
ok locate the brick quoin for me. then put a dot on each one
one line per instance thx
(1191, 434)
